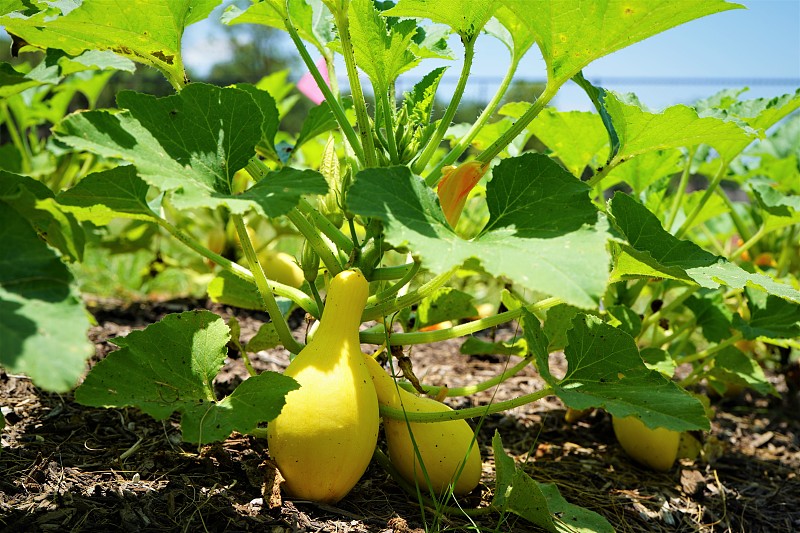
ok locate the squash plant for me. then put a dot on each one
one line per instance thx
(598, 246)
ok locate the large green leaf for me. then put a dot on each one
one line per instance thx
(382, 51)
(770, 317)
(573, 33)
(109, 194)
(465, 18)
(192, 144)
(777, 209)
(512, 31)
(542, 231)
(13, 82)
(146, 31)
(311, 19)
(170, 366)
(604, 369)
(539, 503)
(43, 322)
(652, 251)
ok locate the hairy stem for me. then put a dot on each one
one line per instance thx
(433, 143)
(387, 308)
(316, 242)
(271, 306)
(679, 194)
(455, 152)
(342, 241)
(478, 387)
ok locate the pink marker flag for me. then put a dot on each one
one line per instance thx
(309, 87)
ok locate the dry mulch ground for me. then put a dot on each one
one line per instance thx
(65, 467)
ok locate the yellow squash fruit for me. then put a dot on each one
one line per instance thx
(656, 448)
(324, 437)
(443, 446)
(281, 267)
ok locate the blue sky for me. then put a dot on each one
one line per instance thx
(762, 41)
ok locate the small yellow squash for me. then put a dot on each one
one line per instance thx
(656, 448)
(324, 438)
(281, 267)
(443, 446)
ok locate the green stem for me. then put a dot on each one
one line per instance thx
(333, 102)
(686, 328)
(316, 242)
(459, 148)
(395, 288)
(362, 117)
(16, 138)
(425, 337)
(757, 236)
(741, 226)
(478, 387)
(521, 123)
(720, 249)
(712, 350)
(317, 297)
(387, 465)
(271, 306)
(595, 180)
(387, 308)
(684, 181)
(433, 143)
(715, 181)
(296, 295)
(470, 412)
(393, 272)
(327, 227)
(388, 124)
(788, 251)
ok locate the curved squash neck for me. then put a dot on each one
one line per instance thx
(346, 299)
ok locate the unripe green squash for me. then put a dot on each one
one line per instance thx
(326, 433)
(656, 448)
(443, 446)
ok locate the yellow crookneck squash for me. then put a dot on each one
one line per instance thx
(443, 446)
(656, 448)
(324, 437)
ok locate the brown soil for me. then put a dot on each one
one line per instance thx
(66, 467)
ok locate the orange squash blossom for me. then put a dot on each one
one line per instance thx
(455, 185)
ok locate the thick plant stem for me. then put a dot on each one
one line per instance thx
(333, 102)
(679, 194)
(425, 337)
(708, 352)
(393, 272)
(395, 288)
(327, 227)
(521, 123)
(757, 236)
(455, 152)
(281, 327)
(388, 124)
(470, 412)
(315, 241)
(433, 143)
(387, 308)
(362, 117)
(715, 181)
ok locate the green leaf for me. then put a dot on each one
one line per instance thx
(13, 82)
(778, 210)
(319, 120)
(465, 18)
(512, 31)
(102, 196)
(312, 20)
(605, 370)
(626, 319)
(43, 322)
(192, 144)
(770, 317)
(732, 366)
(576, 138)
(540, 217)
(170, 366)
(419, 102)
(35, 202)
(641, 131)
(556, 324)
(711, 314)
(229, 289)
(445, 303)
(539, 503)
(147, 32)
(652, 251)
(265, 338)
(646, 169)
(269, 110)
(572, 34)
(382, 52)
